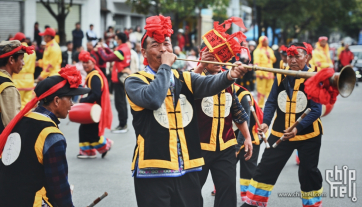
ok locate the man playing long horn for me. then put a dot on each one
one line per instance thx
(216, 115)
(288, 99)
(167, 155)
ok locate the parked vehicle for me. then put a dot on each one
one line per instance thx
(357, 62)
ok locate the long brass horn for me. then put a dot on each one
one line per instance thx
(344, 81)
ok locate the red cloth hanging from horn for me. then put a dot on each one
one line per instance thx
(319, 89)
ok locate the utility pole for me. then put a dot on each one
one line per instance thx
(254, 19)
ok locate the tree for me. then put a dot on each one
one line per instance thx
(179, 9)
(354, 25)
(63, 11)
(295, 17)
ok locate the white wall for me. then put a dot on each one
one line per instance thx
(91, 14)
(29, 18)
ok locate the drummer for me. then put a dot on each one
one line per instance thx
(91, 138)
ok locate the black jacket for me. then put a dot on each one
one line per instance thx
(65, 58)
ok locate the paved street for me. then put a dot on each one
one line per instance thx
(341, 146)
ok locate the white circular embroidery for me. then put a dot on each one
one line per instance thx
(301, 101)
(207, 106)
(282, 100)
(161, 116)
(228, 102)
(186, 111)
(12, 148)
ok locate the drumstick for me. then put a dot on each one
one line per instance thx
(98, 199)
(292, 127)
(211, 62)
(257, 122)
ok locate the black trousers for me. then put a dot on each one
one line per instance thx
(121, 103)
(247, 168)
(222, 165)
(88, 133)
(274, 160)
(184, 191)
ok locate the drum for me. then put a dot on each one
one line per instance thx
(85, 113)
(326, 109)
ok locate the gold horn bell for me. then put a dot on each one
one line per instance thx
(344, 81)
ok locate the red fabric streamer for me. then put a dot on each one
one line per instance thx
(202, 50)
(235, 44)
(321, 93)
(157, 27)
(106, 114)
(68, 73)
(29, 50)
(145, 61)
(309, 48)
(236, 20)
(85, 56)
(283, 48)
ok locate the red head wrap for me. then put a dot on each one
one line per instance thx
(29, 50)
(309, 48)
(283, 48)
(157, 27)
(292, 50)
(70, 75)
(85, 56)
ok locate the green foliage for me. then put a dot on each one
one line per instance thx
(294, 17)
(183, 8)
(297, 16)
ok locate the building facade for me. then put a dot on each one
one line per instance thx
(21, 15)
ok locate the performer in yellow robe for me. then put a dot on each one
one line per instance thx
(24, 80)
(321, 56)
(264, 57)
(52, 57)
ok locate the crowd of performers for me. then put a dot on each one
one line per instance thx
(183, 121)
